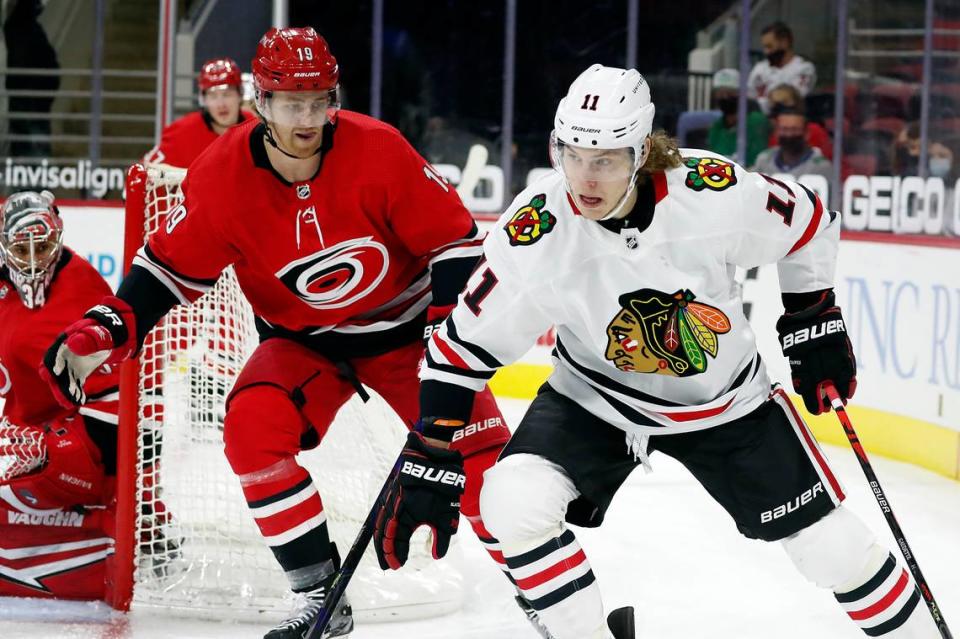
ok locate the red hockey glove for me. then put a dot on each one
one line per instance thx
(105, 335)
(426, 492)
(815, 343)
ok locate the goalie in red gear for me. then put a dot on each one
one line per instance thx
(221, 92)
(56, 464)
(346, 244)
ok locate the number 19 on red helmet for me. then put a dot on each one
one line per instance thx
(296, 60)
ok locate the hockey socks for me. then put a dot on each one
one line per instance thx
(555, 577)
(286, 506)
(887, 604)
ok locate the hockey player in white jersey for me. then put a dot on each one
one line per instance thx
(629, 250)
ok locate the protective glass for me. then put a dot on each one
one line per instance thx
(578, 164)
(299, 109)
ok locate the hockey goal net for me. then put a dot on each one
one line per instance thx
(188, 540)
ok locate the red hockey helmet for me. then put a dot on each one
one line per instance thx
(295, 59)
(217, 73)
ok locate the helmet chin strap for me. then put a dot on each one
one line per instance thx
(273, 142)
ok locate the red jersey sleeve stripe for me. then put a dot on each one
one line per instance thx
(814, 223)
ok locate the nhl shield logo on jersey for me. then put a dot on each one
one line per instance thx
(656, 332)
(709, 173)
(530, 223)
(337, 276)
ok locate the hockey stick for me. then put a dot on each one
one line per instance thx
(352, 560)
(470, 177)
(884, 503)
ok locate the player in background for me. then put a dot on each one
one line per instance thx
(629, 249)
(349, 247)
(56, 458)
(221, 92)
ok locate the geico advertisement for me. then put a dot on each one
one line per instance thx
(901, 305)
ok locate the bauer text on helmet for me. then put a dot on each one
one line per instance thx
(31, 241)
(599, 141)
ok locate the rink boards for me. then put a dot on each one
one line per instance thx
(900, 298)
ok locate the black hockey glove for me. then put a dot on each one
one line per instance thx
(815, 342)
(426, 492)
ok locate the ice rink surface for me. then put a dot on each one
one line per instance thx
(665, 548)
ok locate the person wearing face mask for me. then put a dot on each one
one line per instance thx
(788, 96)
(722, 136)
(793, 154)
(779, 66)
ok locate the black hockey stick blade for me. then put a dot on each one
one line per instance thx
(887, 509)
(352, 560)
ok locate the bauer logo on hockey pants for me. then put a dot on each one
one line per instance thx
(800, 500)
(813, 332)
(435, 475)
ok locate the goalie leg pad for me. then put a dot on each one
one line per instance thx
(833, 550)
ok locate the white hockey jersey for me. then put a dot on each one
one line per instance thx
(763, 78)
(651, 333)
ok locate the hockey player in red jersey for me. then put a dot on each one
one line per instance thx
(629, 250)
(221, 92)
(349, 247)
(55, 462)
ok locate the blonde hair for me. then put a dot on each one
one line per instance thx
(664, 155)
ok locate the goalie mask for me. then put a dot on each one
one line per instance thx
(31, 242)
(599, 140)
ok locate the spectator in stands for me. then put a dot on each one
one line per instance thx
(780, 66)
(787, 96)
(722, 137)
(793, 154)
(28, 47)
(906, 151)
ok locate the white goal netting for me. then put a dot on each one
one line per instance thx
(198, 548)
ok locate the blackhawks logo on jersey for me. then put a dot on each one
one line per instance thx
(709, 173)
(656, 332)
(530, 223)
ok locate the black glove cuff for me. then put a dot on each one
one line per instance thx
(110, 319)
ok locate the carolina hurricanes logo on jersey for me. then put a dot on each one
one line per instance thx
(656, 332)
(5, 381)
(337, 276)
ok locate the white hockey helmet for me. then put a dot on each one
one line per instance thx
(605, 108)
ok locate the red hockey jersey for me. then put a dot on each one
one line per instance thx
(183, 140)
(26, 333)
(346, 255)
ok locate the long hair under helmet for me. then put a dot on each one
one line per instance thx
(605, 108)
(293, 59)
